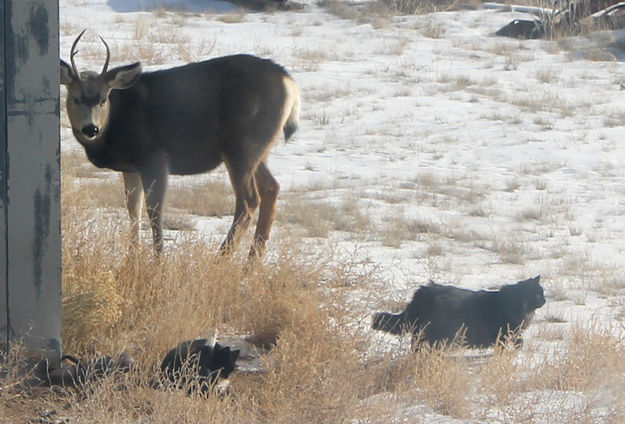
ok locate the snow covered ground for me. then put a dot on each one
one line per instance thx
(428, 148)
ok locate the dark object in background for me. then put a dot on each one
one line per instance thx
(199, 363)
(269, 5)
(523, 29)
(440, 314)
(571, 18)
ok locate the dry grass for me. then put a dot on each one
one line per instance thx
(232, 18)
(419, 7)
(115, 301)
(315, 368)
(316, 374)
(98, 192)
(318, 218)
(379, 13)
(443, 381)
(214, 198)
(399, 228)
(510, 248)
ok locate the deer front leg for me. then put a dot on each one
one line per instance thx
(268, 189)
(134, 204)
(154, 179)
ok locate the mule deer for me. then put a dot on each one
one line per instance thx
(186, 120)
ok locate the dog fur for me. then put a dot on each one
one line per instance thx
(199, 363)
(447, 314)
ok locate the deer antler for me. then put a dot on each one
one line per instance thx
(73, 53)
(108, 56)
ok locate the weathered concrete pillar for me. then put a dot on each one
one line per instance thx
(30, 212)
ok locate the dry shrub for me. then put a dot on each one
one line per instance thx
(313, 217)
(233, 17)
(399, 228)
(192, 291)
(500, 378)
(277, 302)
(318, 218)
(123, 399)
(370, 11)
(418, 7)
(15, 405)
(389, 372)
(442, 380)
(593, 361)
(341, 9)
(319, 367)
(92, 304)
(510, 249)
(306, 377)
(117, 298)
(214, 198)
(106, 191)
(133, 298)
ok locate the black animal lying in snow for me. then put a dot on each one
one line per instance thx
(199, 363)
(444, 314)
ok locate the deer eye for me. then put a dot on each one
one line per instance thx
(102, 102)
(76, 101)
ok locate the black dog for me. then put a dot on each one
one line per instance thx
(199, 363)
(440, 314)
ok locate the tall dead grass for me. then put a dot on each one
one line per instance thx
(317, 363)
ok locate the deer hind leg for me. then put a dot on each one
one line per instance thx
(154, 180)
(246, 202)
(134, 204)
(268, 189)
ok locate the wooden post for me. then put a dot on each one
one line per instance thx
(30, 213)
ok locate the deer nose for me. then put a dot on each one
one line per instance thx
(90, 130)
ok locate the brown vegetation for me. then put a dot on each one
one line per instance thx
(315, 365)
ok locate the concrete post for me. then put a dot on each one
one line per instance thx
(30, 212)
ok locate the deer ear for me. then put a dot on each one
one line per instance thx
(67, 74)
(123, 76)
